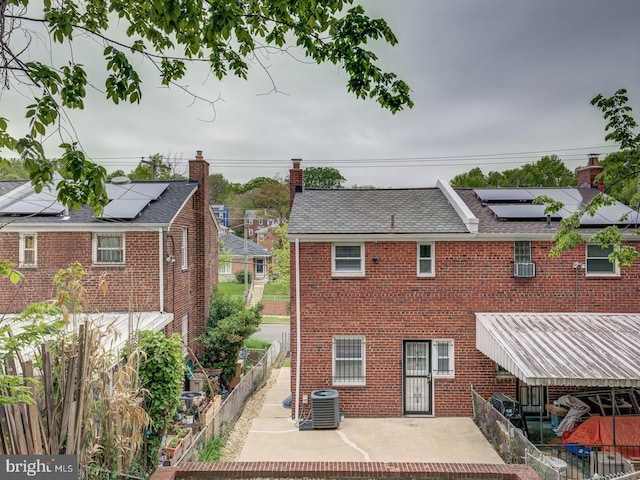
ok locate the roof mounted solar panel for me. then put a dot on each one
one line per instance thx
(504, 195)
(131, 191)
(520, 211)
(617, 214)
(42, 203)
(124, 209)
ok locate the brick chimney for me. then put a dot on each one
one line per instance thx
(203, 239)
(296, 181)
(587, 175)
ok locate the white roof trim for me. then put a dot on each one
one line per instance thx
(581, 349)
(470, 220)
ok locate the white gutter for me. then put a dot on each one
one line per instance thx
(297, 396)
(161, 268)
(461, 208)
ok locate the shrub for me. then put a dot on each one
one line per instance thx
(240, 276)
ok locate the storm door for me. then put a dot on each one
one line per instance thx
(417, 377)
(259, 268)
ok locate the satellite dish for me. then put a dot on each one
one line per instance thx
(120, 180)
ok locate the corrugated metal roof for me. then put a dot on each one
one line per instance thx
(582, 349)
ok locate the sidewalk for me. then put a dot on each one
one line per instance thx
(274, 437)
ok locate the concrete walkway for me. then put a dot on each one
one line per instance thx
(275, 437)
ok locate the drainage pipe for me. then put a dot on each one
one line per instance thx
(297, 395)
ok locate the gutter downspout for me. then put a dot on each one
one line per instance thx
(297, 257)
(161, 267)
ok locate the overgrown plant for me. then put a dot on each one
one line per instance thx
(229, 325)
(161, 369)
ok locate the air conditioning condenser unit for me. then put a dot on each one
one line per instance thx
(325, 409)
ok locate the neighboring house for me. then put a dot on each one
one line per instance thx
(155, 246)
(405, 298)
(256, 257)
(257, 224)
(222, 214)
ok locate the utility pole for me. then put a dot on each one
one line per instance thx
(155, 164)
(246, 259)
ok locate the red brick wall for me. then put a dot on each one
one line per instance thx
(134, 286)
(135, 283)
(391, 304)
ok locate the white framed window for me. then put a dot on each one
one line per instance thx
(251, 221)
(426, 259)
(224, 268)
(251, 232)
(523, 267)
(108, 248)
(598, 263)
(185, 333)
(347, 260)
(443, 359)
(349, 367)
(261, 237)
(28, 255)
(260, 222)
(183, 248)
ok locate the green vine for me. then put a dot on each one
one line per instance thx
(162, 376)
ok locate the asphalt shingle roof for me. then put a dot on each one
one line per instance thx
(236, 245)
(360, 211)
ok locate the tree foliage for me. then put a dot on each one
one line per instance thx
(224, 35)
(12, 169)
(229, 325)
(281, 258)
(323, 177)
(620, 125)
(272, 196)
(549, 171)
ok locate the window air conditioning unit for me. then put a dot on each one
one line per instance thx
(524, 270)
(325, 411)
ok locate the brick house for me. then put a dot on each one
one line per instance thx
(258, 258)
(404, 298)
(155, 246)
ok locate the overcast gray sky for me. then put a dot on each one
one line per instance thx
(496, 83)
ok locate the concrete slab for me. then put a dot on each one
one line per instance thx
(274, 436)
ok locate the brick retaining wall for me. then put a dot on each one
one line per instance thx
(344, 470)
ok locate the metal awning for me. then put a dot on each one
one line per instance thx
(581, 349)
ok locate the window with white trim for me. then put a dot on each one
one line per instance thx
(224, 268)
(108, 248)
(348, 260)
(349, 360)
(426, 260)
(442, 359)
(523, 267)
(28, 255)
(185, 333)
(598, 262)
(183, 248)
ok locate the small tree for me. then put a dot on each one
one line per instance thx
(230, 324)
